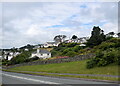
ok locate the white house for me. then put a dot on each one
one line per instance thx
(51, 44)
(26, 49)
(77, 40)
(82, 45)
(41, 53)
(1, 55)
(9, 55)
(109, 35)
(36, 47)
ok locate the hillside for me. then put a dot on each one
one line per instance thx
(78, 67)
(105, 62)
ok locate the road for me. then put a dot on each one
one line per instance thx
(18, 78)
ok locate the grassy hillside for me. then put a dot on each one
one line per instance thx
(78, 67)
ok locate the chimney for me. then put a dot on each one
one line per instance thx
(38, 50)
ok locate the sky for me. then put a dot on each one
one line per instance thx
(39, 22)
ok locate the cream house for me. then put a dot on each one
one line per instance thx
(41, 53)
(51, 44)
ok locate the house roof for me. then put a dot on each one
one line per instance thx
(42, 51)
(50, 42)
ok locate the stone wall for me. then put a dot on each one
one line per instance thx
(51, 61)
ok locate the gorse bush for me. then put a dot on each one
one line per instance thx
(71, 53)
(67, 49)
(103, 58)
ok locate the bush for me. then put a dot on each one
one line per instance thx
(71, 44)
(66, 51)
(91, 63)
(21, 58)
(104, 58)
(71, 53)
(34, 58)
(53, 52)
(106, 45)
(77, 48)
(117, 57)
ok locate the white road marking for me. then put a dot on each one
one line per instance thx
(36, 80)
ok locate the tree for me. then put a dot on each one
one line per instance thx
(74, 37)
(111, 33)
(59, 38)
(97, 36)
(118, 34)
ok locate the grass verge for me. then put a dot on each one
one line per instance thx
(78, 67)
(72, 76)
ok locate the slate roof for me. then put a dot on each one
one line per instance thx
(51, 42)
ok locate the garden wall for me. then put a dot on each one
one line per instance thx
(51, 61)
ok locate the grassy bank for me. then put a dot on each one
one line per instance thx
(78, 67)
(97, 78)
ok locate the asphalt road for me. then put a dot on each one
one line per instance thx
(18, 78)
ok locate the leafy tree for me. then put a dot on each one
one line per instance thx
(118, 34)
(97, 36)
(111, 33)
(20, 58)
(74, 37)
(59, 38)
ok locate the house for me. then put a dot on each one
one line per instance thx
(109, 35)
(41, 53)
(82, 45)
(41, 45)
(9, 55)
(36, 47)
(26, 49)
(77, 40)
(51, 44)
(1, 55)
(83, 39)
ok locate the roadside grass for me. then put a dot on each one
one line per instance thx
(78, 67)
(71, 76)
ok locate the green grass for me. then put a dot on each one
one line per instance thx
(78, 67)
(58, 75)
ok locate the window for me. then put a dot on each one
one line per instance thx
(48, 54)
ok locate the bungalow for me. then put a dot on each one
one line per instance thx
(109, 35)
(50, 44)
(41, 53)
(77, 40)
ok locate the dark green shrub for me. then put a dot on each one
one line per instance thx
(71, 53)
(71, 44)
(77, 48)
(91, 63)
(66, 51)
(117, 57)
(102, 62)
(106, 57)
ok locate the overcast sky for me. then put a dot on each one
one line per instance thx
(38, 22)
